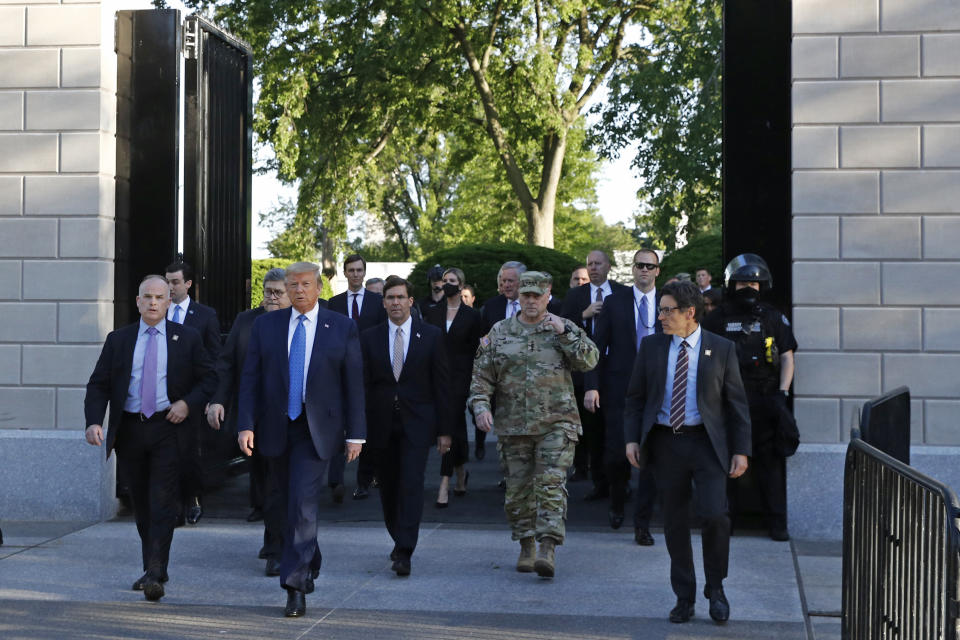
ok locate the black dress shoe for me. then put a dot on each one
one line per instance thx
(256, 515)
(262, 554)
(194, 512)
(296, 603)
(642, 537)
(597, 493)
(480, 451)
(780, 534)
(463, 492)
(682, 612)
(138, 584)
(442, 505)
(361, 493)
(616, 518)
(719, 607)
(273, 567)
(152, 589)
(337, 492)
(401, 565)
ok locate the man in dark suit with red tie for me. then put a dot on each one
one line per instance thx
(190, 313)
(406, 377)
(687, 416)
(154, 375)
(300, 391)
(629, 315)
(365, 308)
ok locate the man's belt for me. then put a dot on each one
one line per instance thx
(686, 429)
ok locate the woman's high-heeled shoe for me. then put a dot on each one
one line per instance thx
(463, 492)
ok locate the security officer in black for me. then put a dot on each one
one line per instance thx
(765, 346)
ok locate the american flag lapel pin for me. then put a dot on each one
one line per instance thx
(418, 336)
(176, 337)
(326, 326)
(706, 352)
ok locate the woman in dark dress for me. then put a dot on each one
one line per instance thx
(462, 327)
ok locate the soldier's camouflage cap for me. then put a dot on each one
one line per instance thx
(538, 282)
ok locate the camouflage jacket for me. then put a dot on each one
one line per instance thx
(526, 370)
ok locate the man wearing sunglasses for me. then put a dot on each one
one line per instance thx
(629, 315)
(687, 416)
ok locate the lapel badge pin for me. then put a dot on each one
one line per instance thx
(418, 336)
(176, 337)
(706, 352)
(326, 326)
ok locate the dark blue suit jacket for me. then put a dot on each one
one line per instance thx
(615, 335)
(204, 320)
(190, 375)
(422, 390)
(334, 398)
(372, 312)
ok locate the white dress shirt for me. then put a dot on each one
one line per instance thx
(513, 308)
(692, 411)
(392, 337)
(310, 326)
(359, 295)
(651, 297)
(183, 304)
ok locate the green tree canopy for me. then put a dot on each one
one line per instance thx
(341, 81)
(481, 262)
(667, 97)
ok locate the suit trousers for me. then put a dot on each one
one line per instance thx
(191, 467)
(679, 460)
(274, 507)
(768, 469)
(401, 466)
(151, 457)
(299, 475)
(618, 472)
(590, 448)
(258, 480)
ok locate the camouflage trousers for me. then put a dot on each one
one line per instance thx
(535, 471)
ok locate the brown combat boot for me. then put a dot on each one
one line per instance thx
(528, 549)
(544, 565)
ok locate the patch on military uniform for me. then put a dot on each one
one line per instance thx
(485, 341)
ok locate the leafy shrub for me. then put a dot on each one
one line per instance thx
(481, 262)
(704, 251)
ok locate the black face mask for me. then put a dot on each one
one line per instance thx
(450, 290)
(746, 298)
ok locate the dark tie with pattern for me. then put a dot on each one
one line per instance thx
(356, 309)
(593, 320)
(678, 400)
(148, 376)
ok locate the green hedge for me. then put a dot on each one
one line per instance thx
(259, 268)
(705, 251)
(481, 262)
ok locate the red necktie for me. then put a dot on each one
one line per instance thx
(356, 309)
(678, 400)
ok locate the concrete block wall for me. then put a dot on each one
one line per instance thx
(57, 159)
(876, 212)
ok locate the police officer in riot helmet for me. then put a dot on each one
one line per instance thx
(765, 346)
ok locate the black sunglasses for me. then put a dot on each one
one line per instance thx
(649, 266)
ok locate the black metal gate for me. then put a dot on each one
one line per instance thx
(217, 105)
(901, 570)
(217, 159)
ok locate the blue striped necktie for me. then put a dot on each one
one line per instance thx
(298, 353)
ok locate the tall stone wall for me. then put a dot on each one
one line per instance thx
(876, 228)
(57, 157)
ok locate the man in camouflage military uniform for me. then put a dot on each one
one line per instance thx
(525, 363)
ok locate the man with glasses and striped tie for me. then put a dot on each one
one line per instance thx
(687, 416)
